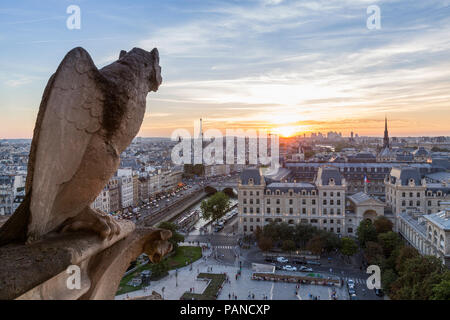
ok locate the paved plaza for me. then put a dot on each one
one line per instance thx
(186, 278)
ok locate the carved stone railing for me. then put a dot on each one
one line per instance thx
(41, 270)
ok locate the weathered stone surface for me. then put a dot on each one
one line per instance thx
(87, 117)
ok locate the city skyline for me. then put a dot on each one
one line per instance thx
(286, 66)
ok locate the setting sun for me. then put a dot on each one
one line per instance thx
(286, 132)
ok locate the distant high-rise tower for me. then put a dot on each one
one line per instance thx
(201, 130)
(386, 135)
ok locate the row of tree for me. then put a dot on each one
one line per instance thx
(405, 274)
(302, 236)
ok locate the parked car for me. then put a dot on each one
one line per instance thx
(351, 292)
(306, 269)
(282, 260)
(289, 268)
(350, 282)
(316, 263)
(379, 292)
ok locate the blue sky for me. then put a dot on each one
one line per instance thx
(308, 65)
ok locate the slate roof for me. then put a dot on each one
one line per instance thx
(405, 174)
(251, 174)
(295, 186)
(328, 173)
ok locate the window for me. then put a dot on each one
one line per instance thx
(304, 210)
(268, 210)
(251, 219)
(313, 210)
(251, 201)
(245, 209)
(257, 193)
(339, 212)
(324, 201)
(291, 201)
(278, 201)
(313, 201)
(251, 193)
(338, 202)
(325, 211)
(324, 220)
(324, 194)
(251, 209)
(331, 194)
(418, 203)
(245, 219)
(251, 228)
(257, 210)
(244, 201)
(303, 201)
(331, 202)
(245, 228)
(278, 210)
(338, 230)
(268, 201)
(418, 194)
(350, 230)
(291, 211)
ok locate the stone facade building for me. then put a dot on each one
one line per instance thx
(429, 234)
(407, 191)
(321, 203)
(114, 194)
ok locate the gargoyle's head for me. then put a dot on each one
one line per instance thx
(158, 245)
(148, 64)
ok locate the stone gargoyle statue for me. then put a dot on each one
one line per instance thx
(86, 119)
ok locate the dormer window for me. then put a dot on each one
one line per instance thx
(277, 192)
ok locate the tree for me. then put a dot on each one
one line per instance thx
(316, 245)
(373, 252)
(366, 232)
(215, 207)
(388, 277)
(159, 269)
(441, 291)
(418, 278)
(288, 245)
(265, 244)
(405, 253)
(389, 241)
(176, 237)
(383, 224)
(348, 247)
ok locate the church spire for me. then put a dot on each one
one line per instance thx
(386, 134)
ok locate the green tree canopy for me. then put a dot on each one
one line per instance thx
(389, 241)
(366, 232)
(176, 237)
(441, 291)
(373, 252)
(288, 245)
(348, 247)
(383, 224)
(215, 207)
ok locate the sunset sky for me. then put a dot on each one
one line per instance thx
(304, 66)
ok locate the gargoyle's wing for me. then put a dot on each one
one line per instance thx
(71, 112)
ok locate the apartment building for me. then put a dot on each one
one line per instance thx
(321, 203)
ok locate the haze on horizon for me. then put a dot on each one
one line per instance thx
(283, 65)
